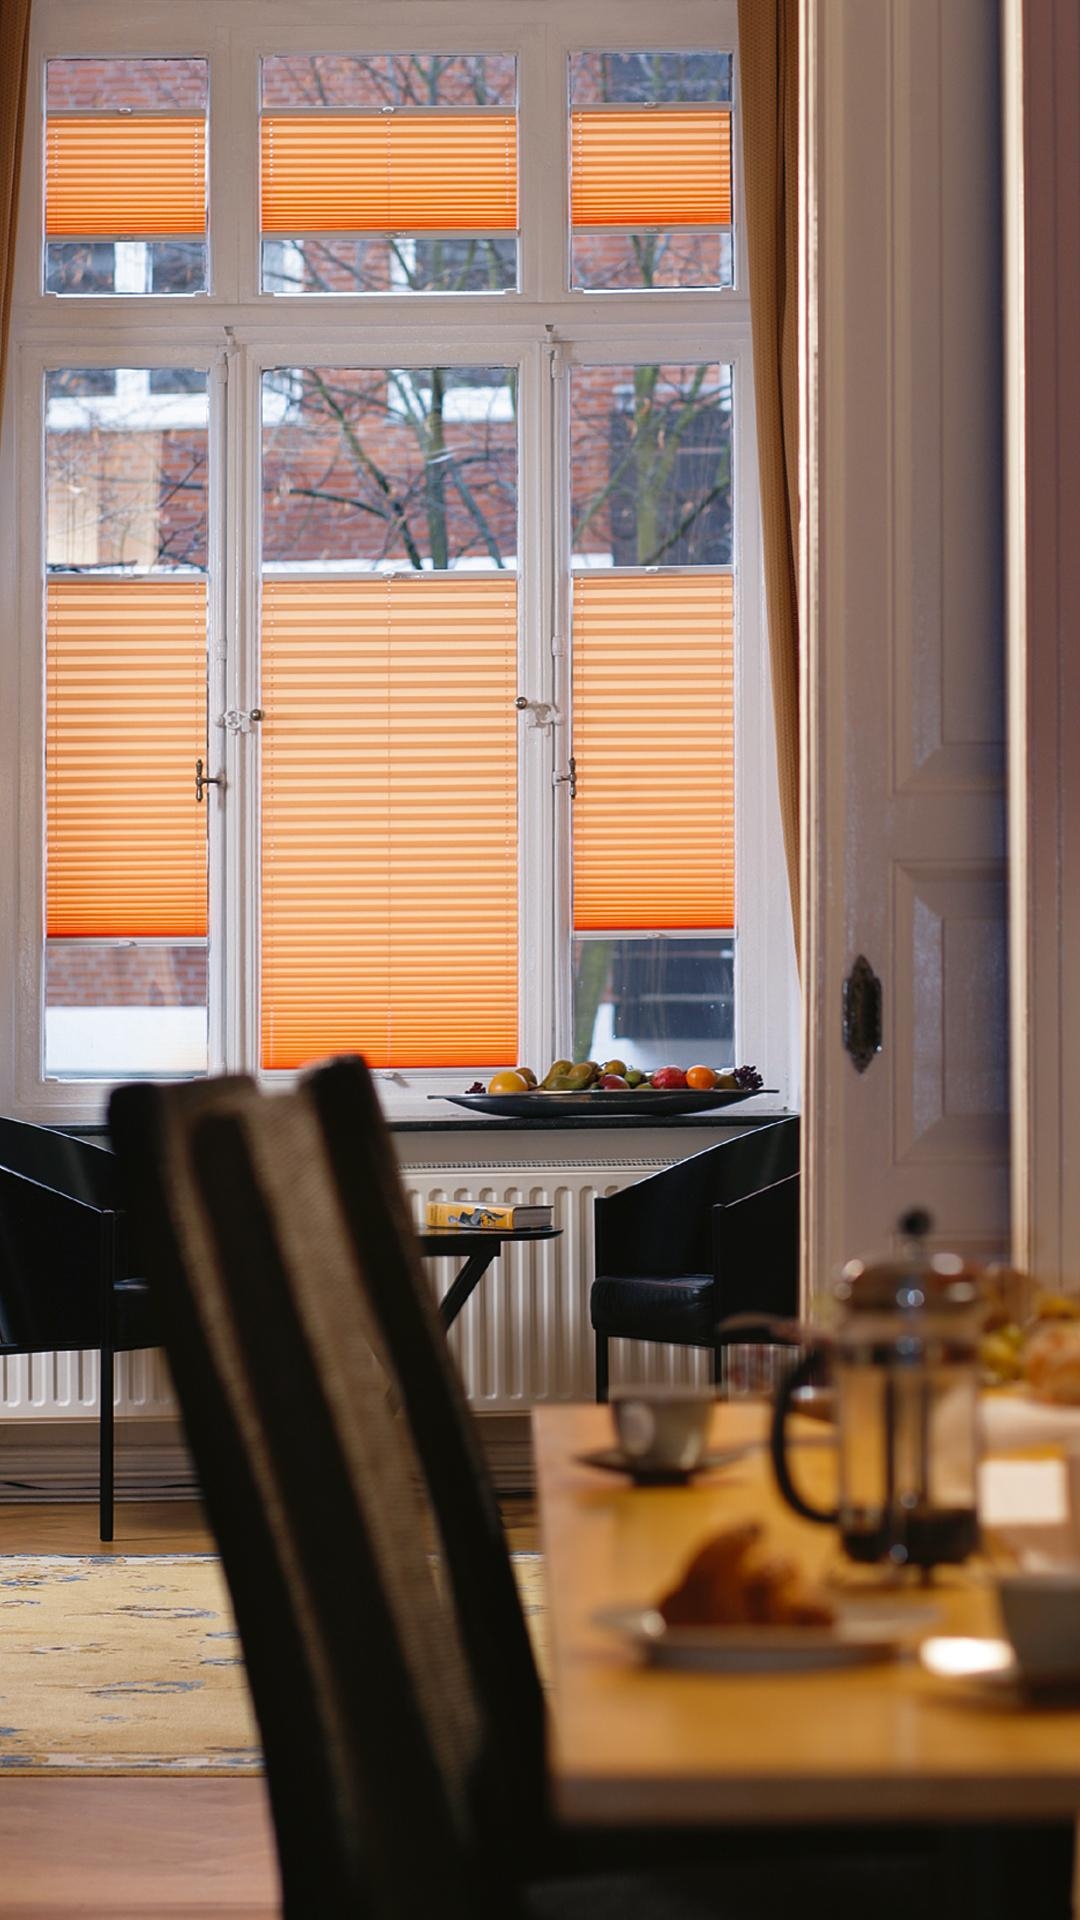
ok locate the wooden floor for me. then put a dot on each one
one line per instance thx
(114, 1849)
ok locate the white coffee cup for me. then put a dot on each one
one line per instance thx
(663, 1429)
(1041, 1616)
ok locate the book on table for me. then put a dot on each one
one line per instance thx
(471, 1214)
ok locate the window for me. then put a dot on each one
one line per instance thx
(125, 176)
(389, 661)
(393, 662)
(388, 171)
(650, 169)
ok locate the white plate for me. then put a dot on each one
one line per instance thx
(863, 1631)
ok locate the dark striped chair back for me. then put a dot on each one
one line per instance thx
(384, 1784)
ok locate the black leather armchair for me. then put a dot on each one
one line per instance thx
(715, 1235)
(64, 1270)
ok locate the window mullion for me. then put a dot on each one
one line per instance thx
(217, 694)
(238, 868)
(557, 446)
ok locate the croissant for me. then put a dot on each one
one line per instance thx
(731, 1581)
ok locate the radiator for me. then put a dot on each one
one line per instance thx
(524, 1336)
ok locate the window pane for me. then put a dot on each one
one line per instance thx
(381, 466)
(390, 263)
(389, 748)
(125, 176)
(126, 469)
(650, 79)
(653, 642)
(651, 466)
(80, 266)
(113, 1011)
(651, 157)
(389, 80)
(653, 1002)
(125, 673)
(389, 173)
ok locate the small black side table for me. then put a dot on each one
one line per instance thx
(480, 1246)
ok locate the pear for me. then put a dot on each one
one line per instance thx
(555, 1072)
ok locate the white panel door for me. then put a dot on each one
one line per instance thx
(903, 581)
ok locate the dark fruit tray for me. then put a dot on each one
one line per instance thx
(599, 1102)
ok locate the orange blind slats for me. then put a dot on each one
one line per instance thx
(408, 174)
(125, 178)
(654, 167)
(389, 851)
(125, 722)
(654, 817)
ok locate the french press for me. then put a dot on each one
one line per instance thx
(904, 1364)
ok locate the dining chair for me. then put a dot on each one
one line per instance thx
(355, 1659)
(387, 1782)
(700, 1241)
(65, 1278)
(360, 1154)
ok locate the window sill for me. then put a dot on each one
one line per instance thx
(589, 1123)
(478, 1123)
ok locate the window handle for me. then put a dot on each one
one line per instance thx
(204, 780)
(567, 779)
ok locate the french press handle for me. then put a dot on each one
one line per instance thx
(800, 1376)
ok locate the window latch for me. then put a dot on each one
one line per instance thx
(204, 780)
(240, 719)
(567, 779)
(541, 712)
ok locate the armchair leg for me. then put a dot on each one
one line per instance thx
(106, 1441)
(601, 1367)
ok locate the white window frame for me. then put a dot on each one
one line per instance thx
(235, 330)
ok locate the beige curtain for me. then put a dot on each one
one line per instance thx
(14, 61)
(769, 59)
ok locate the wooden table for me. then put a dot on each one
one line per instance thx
(885, 1742)
(479, 1246)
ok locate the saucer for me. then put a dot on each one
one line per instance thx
(861, 1633)
(614, 1460)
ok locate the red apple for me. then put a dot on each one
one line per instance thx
(614, 1083)
(669, 1079)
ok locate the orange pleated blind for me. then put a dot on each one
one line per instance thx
(389, 853)
(419, 173)
(132, 177)
(125, 721)
(654, 817)
(636, 167)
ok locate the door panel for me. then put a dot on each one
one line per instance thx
(903, 579)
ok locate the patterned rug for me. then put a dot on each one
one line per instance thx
(125, 1663)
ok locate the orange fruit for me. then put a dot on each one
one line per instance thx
(702, 1079)
(508, 1081)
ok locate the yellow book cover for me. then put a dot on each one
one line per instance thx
(469, 1213)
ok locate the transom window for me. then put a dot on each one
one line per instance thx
(400, 681)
